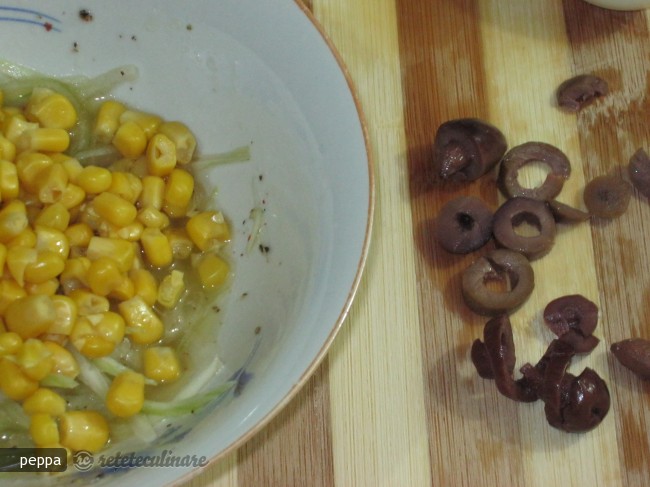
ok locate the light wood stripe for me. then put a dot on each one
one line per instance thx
(375, 364)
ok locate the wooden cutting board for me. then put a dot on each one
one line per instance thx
(397, 401)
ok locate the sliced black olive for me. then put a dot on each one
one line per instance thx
(639, 170)
(586, 402)
(498, 352)
(481, 360)
(580, 91)
(634, 354)
(527, 153)
(467, 148)
(464, 225)
(573, 319)
(499, 265)
(564, 213)
(607, 196)
(516, 211)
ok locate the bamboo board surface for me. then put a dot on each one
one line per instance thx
(397, 401)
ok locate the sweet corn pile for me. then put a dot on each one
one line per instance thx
(90, 255)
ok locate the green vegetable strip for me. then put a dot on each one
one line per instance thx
(188, 405)
(59, 380)
(112, 367)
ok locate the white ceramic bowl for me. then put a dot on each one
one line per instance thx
(621, 4)
(237, 72)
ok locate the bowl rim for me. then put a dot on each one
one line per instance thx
(316, 362)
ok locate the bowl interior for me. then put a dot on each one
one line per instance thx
(239, 73)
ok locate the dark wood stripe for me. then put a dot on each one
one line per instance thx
(443, 78)
(295, 449)
(614, 45)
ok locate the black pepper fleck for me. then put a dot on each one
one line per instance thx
(189, 27)
(258, 330)
(265, 249)
(134, 38)
(85, 15)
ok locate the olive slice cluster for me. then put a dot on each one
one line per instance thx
(571, 403)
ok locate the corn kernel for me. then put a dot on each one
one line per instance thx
(83, 430)
(143, 325)
(161, 155)
(10, 343)
(124, 290)
(171, 289)
(73, 276)
(79, 234)
(43, 429)
(50, 183)
(130, 140)
(65, 309)
(103, 276)
(94, 179)
(9, 185)
(55, 216)
(208, 229)
(126, 394)
(178, 193)
(213, 271)
(153, 192)
(153, 218)
(18, 258)
(182, 245)
(15, 126)
(122, 251)
(3, 255)
(89, 303)
(115, 209)
(35, 359)
(7, 149)
(63, 361)
(126, 185)
(131, 232)
(71, 165)
(29, 316)
(48, 265)
(10, 291)
(44, 400)
(182, 138)
(161, 364)
(13, 381)
(51, 109)
(28, 166)
(72, 196)
(145, 285)
(108, 325)
(26, 238)
(85, 339)
(51, 239)
(13, 220)
(107, 121)
(49, 287)
(43, 139)
(146, 121)
(156, 247)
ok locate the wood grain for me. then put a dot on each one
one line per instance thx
(398, 402)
